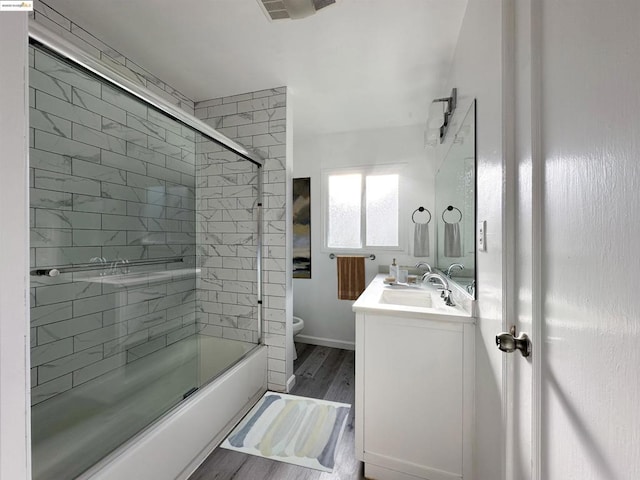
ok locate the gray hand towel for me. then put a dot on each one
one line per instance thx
(421, 240)
(452, 246)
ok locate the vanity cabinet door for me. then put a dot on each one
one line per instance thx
(409, 393)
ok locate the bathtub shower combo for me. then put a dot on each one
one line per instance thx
(146, 316)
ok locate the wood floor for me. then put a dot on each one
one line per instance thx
(321, 372)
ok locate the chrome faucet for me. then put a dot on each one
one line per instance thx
(424, 264)
(471, 288)
(452, 266)
(446, 293)
(436, 276)
(102, 261)
(123, 266)
(429, 270)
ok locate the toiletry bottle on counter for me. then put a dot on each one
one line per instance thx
(393, 269)
(403, 275)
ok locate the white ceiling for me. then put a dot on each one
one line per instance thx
(358, 64)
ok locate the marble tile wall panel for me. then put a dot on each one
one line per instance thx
(49, 199)
(52, 162)
(68, 328)
(58, 23)
(45, 390)
(48, 85)
(102, 187)
(97, 106)
(225, 223)
(66, 147)
(64, 109)
(127, 139)
(41, 120)
(101, 367)
(47, 218)
(49, 236)
(67, 364)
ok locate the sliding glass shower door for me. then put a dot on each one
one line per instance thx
(123, 302)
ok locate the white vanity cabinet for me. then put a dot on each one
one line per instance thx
(414, 394)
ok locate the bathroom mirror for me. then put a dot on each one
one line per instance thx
(455, 213)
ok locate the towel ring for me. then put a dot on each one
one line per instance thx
(448, 209)
(420, 209)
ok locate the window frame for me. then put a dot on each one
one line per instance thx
(364, 171)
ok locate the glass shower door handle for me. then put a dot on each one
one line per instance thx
(508, 342)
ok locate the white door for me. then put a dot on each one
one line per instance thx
(573, 408)
(522, 234)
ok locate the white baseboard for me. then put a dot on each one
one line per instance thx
(291, 383)
(325, 342)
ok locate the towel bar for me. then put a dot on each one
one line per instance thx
(85, 267)
(371, 256)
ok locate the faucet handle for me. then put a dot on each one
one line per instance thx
(446, 296)
(444, 292)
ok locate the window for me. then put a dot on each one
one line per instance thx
(361, 209)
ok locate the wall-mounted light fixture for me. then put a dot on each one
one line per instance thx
(450, 106)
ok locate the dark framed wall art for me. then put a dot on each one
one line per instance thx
(301, 228)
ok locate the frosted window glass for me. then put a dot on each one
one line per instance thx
(345, 196)
(382, 210)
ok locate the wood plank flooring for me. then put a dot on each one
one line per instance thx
(321, 372)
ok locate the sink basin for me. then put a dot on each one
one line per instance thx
(411, 301)
(408, 298)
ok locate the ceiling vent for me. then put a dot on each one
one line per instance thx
(293, 9)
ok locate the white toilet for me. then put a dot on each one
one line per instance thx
(298, 325)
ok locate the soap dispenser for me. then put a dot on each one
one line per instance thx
(393, 269)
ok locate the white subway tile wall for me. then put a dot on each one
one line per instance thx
(227, 290)
(126, 199)
(54, 21)
(112, 180)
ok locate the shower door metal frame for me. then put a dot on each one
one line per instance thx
(68, 50)
(41, 35)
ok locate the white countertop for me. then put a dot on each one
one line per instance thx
(371, 302)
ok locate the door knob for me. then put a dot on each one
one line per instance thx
(508, 342)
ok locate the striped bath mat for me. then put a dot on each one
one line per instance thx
(298, 430)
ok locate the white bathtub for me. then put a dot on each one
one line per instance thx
(173, 446)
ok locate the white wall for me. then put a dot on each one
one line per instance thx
(477, 73)
(14, 243)
(327, 319)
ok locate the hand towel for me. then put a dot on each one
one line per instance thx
(452, 246)
(350, 277)
(421, 240)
